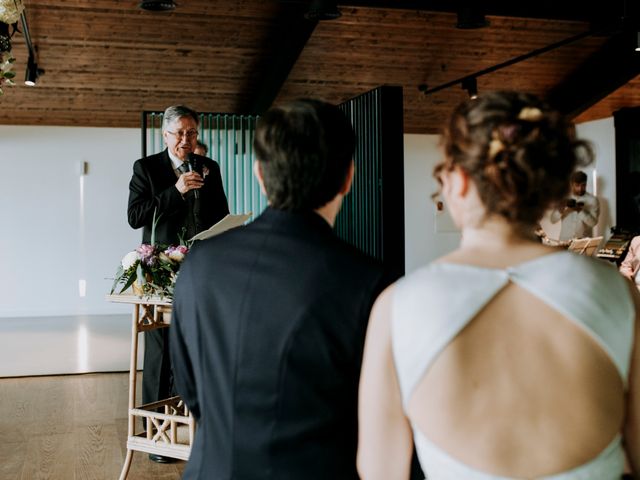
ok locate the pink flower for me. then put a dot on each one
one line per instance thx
(176, 253)
(147, 253)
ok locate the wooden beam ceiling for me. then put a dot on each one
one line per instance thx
(107, 60)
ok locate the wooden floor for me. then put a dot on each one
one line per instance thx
(70, 427)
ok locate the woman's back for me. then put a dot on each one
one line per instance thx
(504, 359)
(519, 359)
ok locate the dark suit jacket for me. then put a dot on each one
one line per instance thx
(266, 344)
(153, 185)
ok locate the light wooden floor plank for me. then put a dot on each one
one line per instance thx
(70, 427)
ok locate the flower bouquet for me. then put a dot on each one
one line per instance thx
(10, 11)
(151, 269)
(6, 70)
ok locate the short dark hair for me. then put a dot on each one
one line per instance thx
(579, 177)
(305, 149)
(519, 152)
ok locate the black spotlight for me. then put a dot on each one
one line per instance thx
(323, 10)
(33, 72)
(470, 84)
(470, 18)
(158, 5)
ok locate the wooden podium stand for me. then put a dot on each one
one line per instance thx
(169, 426)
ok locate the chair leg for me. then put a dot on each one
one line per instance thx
(126, 466)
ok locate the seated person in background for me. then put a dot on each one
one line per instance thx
(201, 149)
(269, 319)
(579, 213)
(505, 358)
(631, 263)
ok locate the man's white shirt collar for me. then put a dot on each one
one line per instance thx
(174, 160)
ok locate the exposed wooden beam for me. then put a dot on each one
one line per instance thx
(606, 70)
(290, 40)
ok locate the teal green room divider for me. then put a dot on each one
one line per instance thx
(372, 215)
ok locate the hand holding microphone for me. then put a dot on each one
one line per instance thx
(191, 179)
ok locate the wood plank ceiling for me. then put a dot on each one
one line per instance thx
(107, 60)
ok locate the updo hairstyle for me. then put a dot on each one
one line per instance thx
(519, 153)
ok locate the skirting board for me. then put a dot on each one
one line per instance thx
(66, 345)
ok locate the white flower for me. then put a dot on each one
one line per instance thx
(130, 260)
(10, 11)
(176, 253)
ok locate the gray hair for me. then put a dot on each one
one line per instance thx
(178, 111)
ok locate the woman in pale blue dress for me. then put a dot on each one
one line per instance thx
(504, 359)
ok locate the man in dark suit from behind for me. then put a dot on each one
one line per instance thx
(185, 192)
(269, 319)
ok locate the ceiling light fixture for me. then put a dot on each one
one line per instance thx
(638, 42)
(510, 62)
(158, 5)
(33, 72)
(323, 10)
(470, 84)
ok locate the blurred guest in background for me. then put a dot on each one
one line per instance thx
(201, 149)
(631, 263)
(579, 213)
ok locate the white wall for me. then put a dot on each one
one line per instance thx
(58, 226)
(428, 233)
(52, 237)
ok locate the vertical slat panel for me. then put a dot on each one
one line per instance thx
(372, 217)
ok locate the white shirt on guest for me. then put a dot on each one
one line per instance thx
(578, 224)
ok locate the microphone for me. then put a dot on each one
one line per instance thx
(195, 165)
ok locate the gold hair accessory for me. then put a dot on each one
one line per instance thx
(495, 147)
(530, 114)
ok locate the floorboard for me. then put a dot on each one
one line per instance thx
(70, 427)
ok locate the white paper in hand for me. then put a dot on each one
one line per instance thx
(227, 223)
